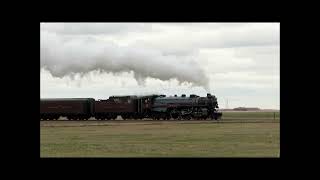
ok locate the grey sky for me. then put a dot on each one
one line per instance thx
(238, 61)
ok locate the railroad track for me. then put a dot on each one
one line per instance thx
(73, 123)
(171, 120)
(143, 120)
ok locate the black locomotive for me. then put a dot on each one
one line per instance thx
(132, 107)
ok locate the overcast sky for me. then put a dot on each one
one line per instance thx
(238, 62)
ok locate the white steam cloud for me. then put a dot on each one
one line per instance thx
(66, 57)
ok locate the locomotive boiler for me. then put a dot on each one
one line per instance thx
(192, 107)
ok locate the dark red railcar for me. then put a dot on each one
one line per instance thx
(128, 107)
(73, 108)
(125, 106)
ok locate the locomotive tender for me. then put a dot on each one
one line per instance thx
(132, 107)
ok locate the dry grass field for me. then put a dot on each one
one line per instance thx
(237, 135)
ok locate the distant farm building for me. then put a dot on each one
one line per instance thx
(246, 109)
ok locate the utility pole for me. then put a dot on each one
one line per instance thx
(227, 106)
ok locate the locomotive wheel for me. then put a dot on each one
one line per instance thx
(164, 117)
(188, 117)
(174, 116)
(156, 117)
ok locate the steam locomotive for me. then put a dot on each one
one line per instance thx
(132, 107)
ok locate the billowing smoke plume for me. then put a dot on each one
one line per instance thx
(64, 57)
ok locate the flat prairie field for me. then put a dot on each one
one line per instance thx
(227, 138)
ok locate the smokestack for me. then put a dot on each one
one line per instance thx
(193, 95)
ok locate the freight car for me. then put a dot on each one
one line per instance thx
(131, 107)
